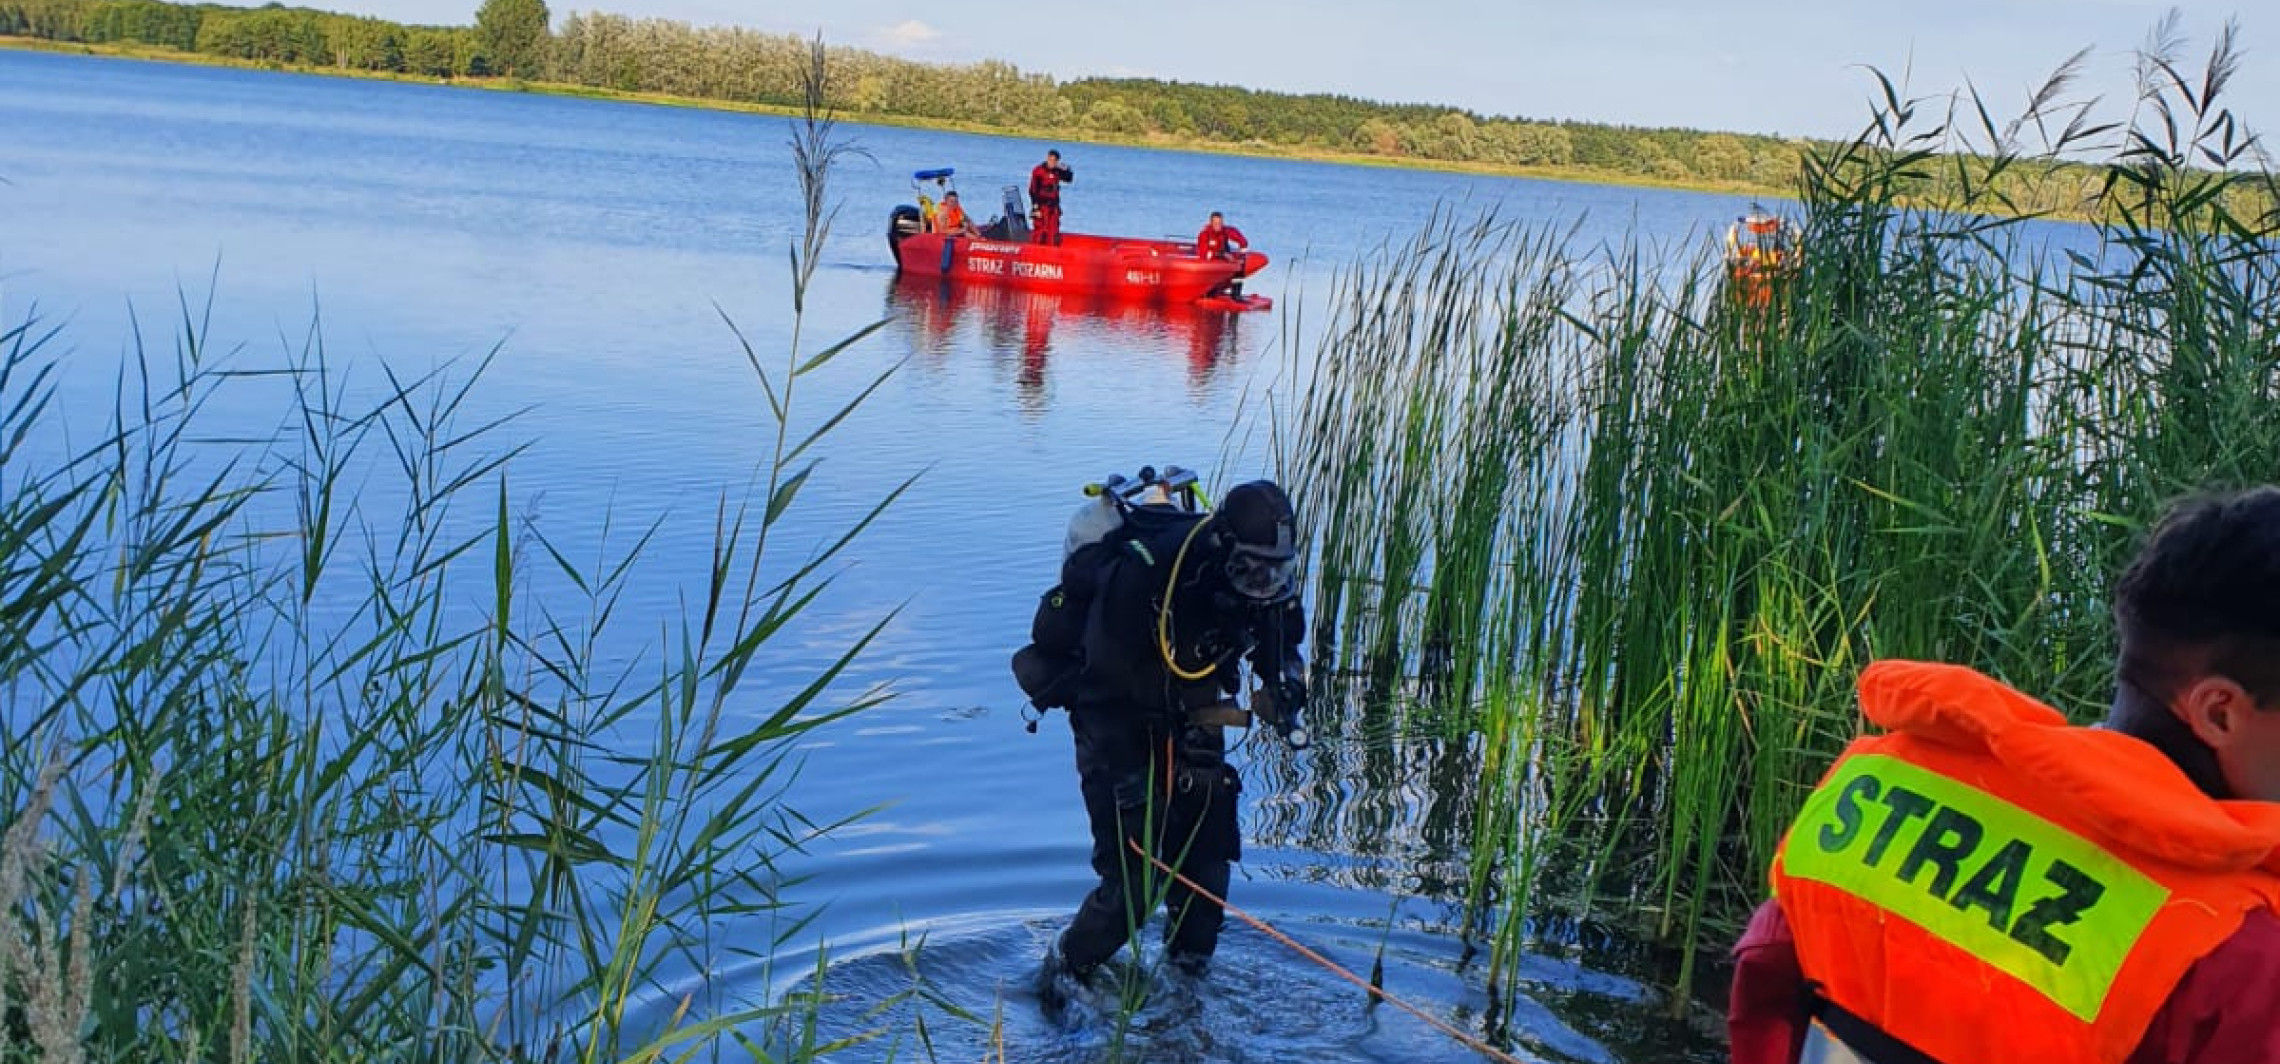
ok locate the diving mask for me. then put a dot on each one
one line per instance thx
(1262, 574)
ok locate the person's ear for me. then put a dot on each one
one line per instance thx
(2214, 708)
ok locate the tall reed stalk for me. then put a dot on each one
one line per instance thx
(316, 750)
(1628, 538)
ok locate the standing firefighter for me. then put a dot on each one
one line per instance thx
(1045, 181)
(1983, 883)
(1158, 617)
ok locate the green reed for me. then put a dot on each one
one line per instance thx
(321, 750)
(1632, 539)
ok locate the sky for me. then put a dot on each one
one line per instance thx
(1757, 66)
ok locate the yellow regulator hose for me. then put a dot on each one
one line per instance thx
(1164, 614)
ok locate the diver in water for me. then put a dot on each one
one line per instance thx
(1175, 608)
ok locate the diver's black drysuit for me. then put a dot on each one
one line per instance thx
(1147, 772)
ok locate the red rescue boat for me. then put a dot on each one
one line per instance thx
(1133, 269)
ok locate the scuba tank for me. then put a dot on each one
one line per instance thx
(1092, 523)
(1116, 510)
(1120, 513)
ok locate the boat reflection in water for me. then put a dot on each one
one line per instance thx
(1030, 332)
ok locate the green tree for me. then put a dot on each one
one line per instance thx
(1537, 144)
(1776, 167)
(1113, 115)
(1378, 137)
(427, 52)
(513, 36)
(1453, 136)
(870, 95)
(1722, 156)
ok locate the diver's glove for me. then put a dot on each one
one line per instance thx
(1285, 700)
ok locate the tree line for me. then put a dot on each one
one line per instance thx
(516, 38)
(513, 38)
(510, 38)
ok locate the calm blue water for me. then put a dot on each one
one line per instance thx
(598, 246)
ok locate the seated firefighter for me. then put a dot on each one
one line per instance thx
(1169, 605)
(952, 220)
(1223, 242)
(1219, 240)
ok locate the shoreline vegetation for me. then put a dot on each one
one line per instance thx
(1621, 532)
(517, 45)
(514, 47)
(1149, 139)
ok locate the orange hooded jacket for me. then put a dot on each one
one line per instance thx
(1989, 884)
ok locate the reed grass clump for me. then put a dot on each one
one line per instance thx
(1622, 539)
(319, 750)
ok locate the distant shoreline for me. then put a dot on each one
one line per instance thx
(1571, 175)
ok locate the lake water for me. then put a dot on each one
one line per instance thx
(598, 246)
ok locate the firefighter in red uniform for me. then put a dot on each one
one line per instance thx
(1045, 181)
(1983, 883)
(1219, 240)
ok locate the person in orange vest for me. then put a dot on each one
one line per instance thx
(1983, 883)
(952, 218)
(1751, 270)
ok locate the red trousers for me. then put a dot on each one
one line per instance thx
(1048, 224)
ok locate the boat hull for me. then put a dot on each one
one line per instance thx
(1148, 271)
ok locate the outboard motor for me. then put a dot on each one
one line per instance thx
(904, 221)
(1016, 215)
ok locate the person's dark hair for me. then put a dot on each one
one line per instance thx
(1053, 154)
(1216, 214)
(2203, 596)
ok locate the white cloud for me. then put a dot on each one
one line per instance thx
(910, 33)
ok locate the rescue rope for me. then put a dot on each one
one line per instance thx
(1471, 1042)
(1164, 612)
